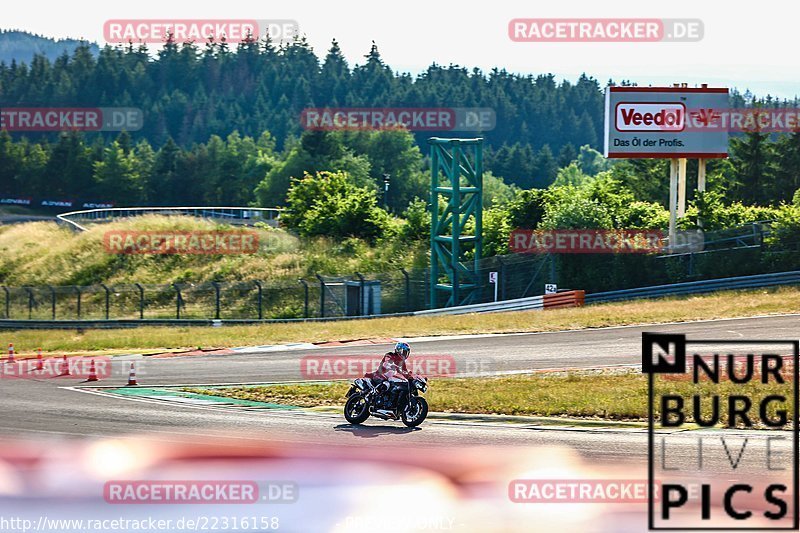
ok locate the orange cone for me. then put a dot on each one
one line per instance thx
(39, 361)
(132, 376)
(92, 373)
(65, 367)
(11, 352)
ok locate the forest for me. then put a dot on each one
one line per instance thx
(222, 125)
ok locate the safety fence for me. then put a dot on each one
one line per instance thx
(400, 291)
(560, 299)
(735, 259)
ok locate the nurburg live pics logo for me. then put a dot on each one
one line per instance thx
(722, 384)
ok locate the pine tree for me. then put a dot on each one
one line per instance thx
(117, 176)
(787, 175)
(753, 157)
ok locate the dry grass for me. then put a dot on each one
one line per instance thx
(719, 305)
(610, 396)
(39, 253)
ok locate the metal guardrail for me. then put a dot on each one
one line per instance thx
(698, 287)
(268, 215)
(560, 299)
(519, 304)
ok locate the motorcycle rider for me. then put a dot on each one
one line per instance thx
(394, 363)
(392, 372)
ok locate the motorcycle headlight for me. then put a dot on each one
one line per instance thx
(421, 385)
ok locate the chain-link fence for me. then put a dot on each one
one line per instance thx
(398, 291)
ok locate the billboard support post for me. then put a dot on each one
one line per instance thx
(673, 199)
(701, 175)
(681, 187)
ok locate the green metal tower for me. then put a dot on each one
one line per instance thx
(456, 197)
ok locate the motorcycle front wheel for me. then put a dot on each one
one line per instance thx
(356, 410)
(414, 412)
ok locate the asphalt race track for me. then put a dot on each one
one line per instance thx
(50, 408)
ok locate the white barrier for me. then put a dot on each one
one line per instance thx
(520, 304)
(268, 215)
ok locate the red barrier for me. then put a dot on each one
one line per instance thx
(564, 299)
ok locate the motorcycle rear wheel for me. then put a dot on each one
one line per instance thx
(418, 407)
(356, 410)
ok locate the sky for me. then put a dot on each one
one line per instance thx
(739, 48)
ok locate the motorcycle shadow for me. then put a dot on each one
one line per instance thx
(370, 432)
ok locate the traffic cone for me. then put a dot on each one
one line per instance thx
(92, 373)
(11, 353)
(64, 367)
(39, 361)
(132, 376)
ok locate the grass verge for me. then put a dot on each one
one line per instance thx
(728, 304)
(618, 394)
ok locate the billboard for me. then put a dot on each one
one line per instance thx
(662, 122)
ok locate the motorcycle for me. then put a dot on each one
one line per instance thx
(388, 400)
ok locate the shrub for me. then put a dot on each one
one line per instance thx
(709, 209)
(417, 226)
(786, 228)
(581, 213)
(643, 215)
(496, 232)
(329, 204)
(527, 208)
